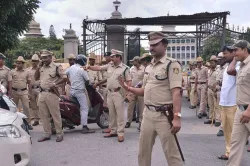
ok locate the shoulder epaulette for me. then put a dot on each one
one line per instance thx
(5, 67)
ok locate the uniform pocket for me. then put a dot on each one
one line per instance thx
(242, 78)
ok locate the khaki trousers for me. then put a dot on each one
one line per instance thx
(240, 135)
(193, 96)
(213, 106)
(116, 112)
(34, 110)
(153, 124)
(132, 104)
(202, 95)
(49, 106)
(23, 96)
(227, 117)
(218, 103)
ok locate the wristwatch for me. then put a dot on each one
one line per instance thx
(177, 114)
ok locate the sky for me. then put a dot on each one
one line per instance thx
(60, 13)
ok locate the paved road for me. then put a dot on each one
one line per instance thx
(199, 142)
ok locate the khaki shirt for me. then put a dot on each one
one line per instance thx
(137, 74)
(20, 78)
(48, 75)
(113, 72)
(243, 83)
(33, 82)
(194, 74)
(212, 78)
(94, 76)
(203, 74)
(158, 92)
(5, 76)
(104, 76)
(220, 70)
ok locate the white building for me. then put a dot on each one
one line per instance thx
(182, 49)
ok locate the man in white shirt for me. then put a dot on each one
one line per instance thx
(228, 100)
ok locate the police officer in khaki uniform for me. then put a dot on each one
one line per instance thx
(5, 75)
(202, 86)
(71, 60)
(145, 59)
(241, 125)
(212, 95)
(34, 110)
(94, 76)
(192, 83)
(50, 76)
(137, 74)
(20, 81)
(160, 88)
(116, 94)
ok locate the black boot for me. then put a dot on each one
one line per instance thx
(128, 125)
(139, 127)
(86, 130)
(200, 115)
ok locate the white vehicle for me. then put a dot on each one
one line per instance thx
(15, 141)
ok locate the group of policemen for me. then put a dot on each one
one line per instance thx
(154, 83)
(222, 85)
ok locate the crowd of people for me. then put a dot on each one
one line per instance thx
(153, 85)
(222, 85)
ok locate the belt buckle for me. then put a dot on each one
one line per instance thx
(19, 90)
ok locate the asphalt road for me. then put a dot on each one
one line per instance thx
(199, 142)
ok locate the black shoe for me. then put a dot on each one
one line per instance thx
(247, 142)
(139, 127)
(188, 99)
(35, 123)
(204, 114)
(192, 107)
(128, 125)
(208, 121)
(30, 127)
(200, 115)
(137, 121)
(220, 133)
(86, 130)
(217, 124)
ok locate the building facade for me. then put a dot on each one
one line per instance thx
(182, 49)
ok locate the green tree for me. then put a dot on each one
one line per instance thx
(142, 51)
(28, 46)
(15, 16)
(245, 36)
(212, 46)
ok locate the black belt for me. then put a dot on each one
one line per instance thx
(16, 89)
(104, 86)
(201, 82)
(35, 86)
(45, 90)
(192, 82)
(157, 108)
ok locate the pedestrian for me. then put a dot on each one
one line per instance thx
(94, 76)
(193, 85)
(35, 85)
(137, 74)
(202, 87)
(5, 75)
(79, 78)
(51, 75)
(228, 99)
(116, 94)
(20, 81)
(222, 64)
(212, 95)
(241, 125)
(71, 60)
(161, 88)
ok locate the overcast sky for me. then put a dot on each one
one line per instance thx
(61, 13)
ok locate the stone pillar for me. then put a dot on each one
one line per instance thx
(70, 43)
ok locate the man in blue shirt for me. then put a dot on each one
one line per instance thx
(78, 78)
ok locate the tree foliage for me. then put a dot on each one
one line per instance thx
(15, 16)
(29, 46)
(142, 51)
(52, 32)
(245, 36)
(212, 46)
